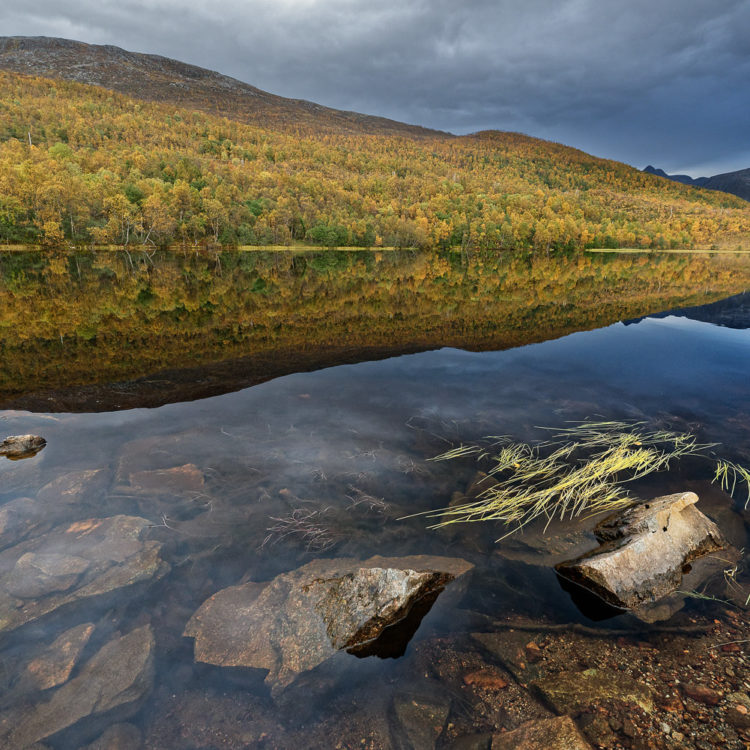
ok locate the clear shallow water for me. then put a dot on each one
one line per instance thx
(219, 481)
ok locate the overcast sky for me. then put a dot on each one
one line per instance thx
(665, 82)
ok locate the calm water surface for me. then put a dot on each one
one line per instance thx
(223, 481)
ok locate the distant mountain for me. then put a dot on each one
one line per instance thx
(162, 79)
(736, 183)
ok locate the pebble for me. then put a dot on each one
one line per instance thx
(701, 694)
(731, 648)
(533, 652)
(485, 679)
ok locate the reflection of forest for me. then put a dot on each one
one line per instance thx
(94, 318)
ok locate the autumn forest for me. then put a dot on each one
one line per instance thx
(83, 166)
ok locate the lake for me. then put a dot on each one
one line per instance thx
(215, 420)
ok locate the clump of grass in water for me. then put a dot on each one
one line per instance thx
(729, 475)
(580, 470)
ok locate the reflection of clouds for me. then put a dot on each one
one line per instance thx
(366, 430)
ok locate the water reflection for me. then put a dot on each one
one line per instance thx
(117, 330)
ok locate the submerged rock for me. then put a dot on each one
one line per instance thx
(73, 562)
(116, 678)
(21, 446)
(54, 665)
(418, 721)
(644, 551)
(74, 488)
(302, 618)
(574, 692)
(176, 480)
(509, 647)
(118, 737)
(17, 518)
(64, 498)
(559, 733)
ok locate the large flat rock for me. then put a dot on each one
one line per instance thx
(117, 677)
(53, 666)
(644, 551)
(573, 692)
(302, 618)
(74, 562)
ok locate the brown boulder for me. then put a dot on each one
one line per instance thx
(16, 447)
(302, 618)
(644, 550)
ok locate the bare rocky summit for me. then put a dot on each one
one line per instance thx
(156, 78)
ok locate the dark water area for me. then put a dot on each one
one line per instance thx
(153, 495)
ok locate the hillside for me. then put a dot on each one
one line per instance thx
(81, 164)
(737, 183)
(161, 79)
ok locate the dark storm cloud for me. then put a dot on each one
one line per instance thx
(662, 81)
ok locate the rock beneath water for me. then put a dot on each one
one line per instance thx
(73, 562)
(418, 721)
(644, 550)
(701, 694)
(17, 518)
(116, 678)
(471, 742)
(738, 710)
(546, 543)
(509, 647)
(176, 480)
(573, 692)
(559, 733)
(39, 574)
(118, 737)
(302, 618)
(54, 665)
(59, 500)
(21, 446)
(74, 487)
(486, 679)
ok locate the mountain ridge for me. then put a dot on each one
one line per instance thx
(736, 183)
(158, 78)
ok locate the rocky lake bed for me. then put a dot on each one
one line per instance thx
(118, 630)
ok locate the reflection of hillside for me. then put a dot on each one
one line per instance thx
(733, 312)
(91, 319)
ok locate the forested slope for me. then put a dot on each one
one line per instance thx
(81, 164)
